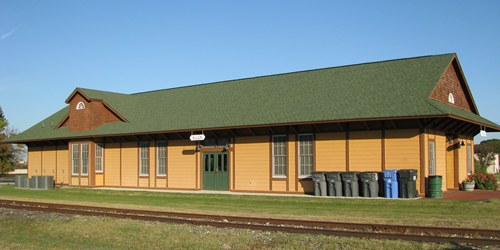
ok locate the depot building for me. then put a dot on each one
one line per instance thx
(266, 133)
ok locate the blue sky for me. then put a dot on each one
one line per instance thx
(48, 48)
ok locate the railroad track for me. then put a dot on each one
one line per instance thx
(341, 229)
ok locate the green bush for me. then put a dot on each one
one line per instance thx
(485, 181)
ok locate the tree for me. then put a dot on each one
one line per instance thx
(486, 151)
(9, 154)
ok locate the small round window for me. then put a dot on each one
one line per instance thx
(80, 105)
(451, 98)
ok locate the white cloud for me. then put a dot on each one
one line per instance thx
(8, 33)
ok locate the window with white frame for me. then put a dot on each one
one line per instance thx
(99, 157)
(279, 156)
(143, 158)
(80, 159)
(469, 159)
(305, 155)
(75, 159)
(432, 157)
(80, 106)
(85, 159)
(161, 158)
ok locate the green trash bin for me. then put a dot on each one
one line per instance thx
(434, 186)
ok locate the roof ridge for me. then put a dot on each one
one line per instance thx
(103, 91)
(294, 72)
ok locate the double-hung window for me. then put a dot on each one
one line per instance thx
(161, 158)
(305, 155)
(432, 157)
(75, 159)
(143, 158)
(99, 157)
(80, 159)
(469, 159)
(279, 156)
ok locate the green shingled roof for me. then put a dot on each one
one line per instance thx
(389, 89)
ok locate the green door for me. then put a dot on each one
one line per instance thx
(215, 167)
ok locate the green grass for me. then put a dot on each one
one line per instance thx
(434, 212)
(32, 231)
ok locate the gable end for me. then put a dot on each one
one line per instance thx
(452, 89)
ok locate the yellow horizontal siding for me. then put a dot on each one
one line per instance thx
(252, 163)
(365, 151)
(181, 164)
(130, 168)
(34, 161)
(112, 164)
(330, 152)
(49, 161)
(63, 169)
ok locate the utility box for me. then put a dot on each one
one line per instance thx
(319, 182)
(20, 181)
(334, 183)
(369, 184)
(350, 186)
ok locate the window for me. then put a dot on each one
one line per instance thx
(469, 159)
(143, 158)
(451, 98)
(279, 156)
(161, 158)
(80, 106)
(305, 155)
(80, 159)
(75, 159)
(432, 157)
(85, 159)
(99, 157)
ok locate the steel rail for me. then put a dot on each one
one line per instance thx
(376, 231)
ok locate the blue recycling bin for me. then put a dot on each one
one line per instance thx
(391, 183)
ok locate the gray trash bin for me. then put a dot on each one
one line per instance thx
(350, 186)
(319, 183)
(369, 184)
(407, 183)
(334, 183)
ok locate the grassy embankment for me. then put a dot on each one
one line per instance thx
(474, 214)
(31, 231)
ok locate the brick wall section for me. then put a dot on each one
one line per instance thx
(450, 83)
(94, 114)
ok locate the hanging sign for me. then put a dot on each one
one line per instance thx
(198, 137)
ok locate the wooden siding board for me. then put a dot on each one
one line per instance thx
(252, 163)
(34, 161)
(365, 151)
(330, 152)
(62, 161)
(130, 166)
(49, 161)
(181, 164)
(112, 164)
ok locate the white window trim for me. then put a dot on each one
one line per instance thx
(298, 156)
(158, 159)
(73, 173)
(80, 106)
(432, 168)
(273, 157)
(140, 158)
(102, 157)
(81, 159)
